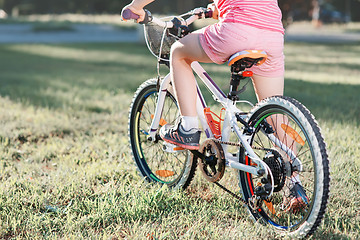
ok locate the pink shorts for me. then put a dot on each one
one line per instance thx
(223, 39)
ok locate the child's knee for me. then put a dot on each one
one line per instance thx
(175, 50)
(178, 53)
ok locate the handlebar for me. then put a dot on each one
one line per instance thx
(197, 13)
(127, 14)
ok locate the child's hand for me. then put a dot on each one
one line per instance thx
(214, 9)
(139, 12)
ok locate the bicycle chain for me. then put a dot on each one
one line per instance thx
(231, 193)
(239, 145)
(251, 200)
(227, 143)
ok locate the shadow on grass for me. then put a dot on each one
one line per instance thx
(49, 81)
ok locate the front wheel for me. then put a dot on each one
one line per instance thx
(154, 161)
(287, 138)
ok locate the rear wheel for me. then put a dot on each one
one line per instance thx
(290, 122)
(176, 168)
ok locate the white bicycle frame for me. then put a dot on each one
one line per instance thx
(230, 123)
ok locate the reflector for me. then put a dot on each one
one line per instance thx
(162, 121)
(164, 173)
(293, 134)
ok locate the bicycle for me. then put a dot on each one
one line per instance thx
(276, 140)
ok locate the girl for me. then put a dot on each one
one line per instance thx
(246, 24)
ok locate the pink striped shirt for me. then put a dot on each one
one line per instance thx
(264, 14)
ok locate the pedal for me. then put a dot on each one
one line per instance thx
(172, 148)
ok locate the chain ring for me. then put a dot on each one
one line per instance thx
(213, 166)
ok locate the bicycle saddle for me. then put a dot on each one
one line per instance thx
(248, 58)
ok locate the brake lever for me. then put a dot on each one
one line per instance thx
(202, 12)
(148, 17)
(178, 29)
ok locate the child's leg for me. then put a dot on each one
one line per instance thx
(183, 53)
(268, 86)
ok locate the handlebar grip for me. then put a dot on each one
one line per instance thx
(208, 13)
(128, 14)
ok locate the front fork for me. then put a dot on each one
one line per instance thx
(164, 85)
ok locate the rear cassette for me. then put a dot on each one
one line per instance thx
(277, 166)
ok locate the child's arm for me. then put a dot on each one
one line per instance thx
(214, 9)
(137, 7)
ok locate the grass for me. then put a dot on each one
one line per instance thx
(65, 167)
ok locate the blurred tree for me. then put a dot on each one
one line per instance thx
(8, 5)
(349, 7)
(295, 10)
(325, 10)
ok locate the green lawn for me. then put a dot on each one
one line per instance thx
(65, 166)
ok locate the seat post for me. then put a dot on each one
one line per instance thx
(239, 62)
(236, 77)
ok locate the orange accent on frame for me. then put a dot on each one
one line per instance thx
(247, 74)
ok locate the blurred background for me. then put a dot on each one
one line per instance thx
(51, 21)
(339, 11)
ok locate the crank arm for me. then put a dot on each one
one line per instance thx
(198, 154)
